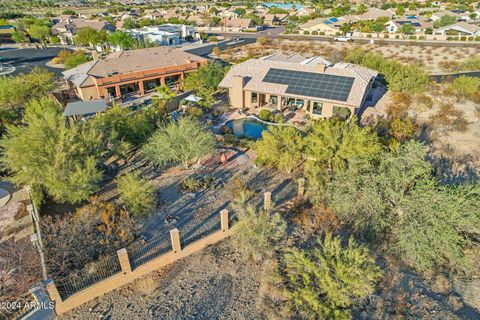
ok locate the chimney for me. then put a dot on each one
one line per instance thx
(320, 68)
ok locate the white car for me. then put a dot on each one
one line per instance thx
(343, 39)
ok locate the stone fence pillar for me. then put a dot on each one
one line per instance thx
(267, 201)
(301, 187)
(224, 220)
(52, 291)
(175, 238)
(124, 260)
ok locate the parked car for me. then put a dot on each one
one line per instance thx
(343, 39)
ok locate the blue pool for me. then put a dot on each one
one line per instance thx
(247, 127)
(286, 6)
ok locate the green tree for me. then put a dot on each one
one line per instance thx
(39, 32)
(325, 281)
(345, 28)
(181, 142)
(136, 193)
(444, 21)
(396, 199)
(378, 27)
(400, 11)
(19, 37)
(258, 232)
(120, 39)
(49, 155)
(332, 144)
(163, 97)
(407, 28)
(89, 36)
(208, 76)
(280, 147)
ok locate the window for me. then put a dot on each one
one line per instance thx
(273, 100)
(254, 97)
(317, 108)
(341, 112)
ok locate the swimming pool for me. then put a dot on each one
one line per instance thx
(247, 127)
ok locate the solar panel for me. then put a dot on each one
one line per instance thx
(310, 84)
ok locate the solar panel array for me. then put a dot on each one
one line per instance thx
(310, 84)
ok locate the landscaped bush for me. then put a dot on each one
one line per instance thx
(323, 33)
(369, 35)
(471, 38)
(412, 38)
(136, 193)
(306, 32)
(477, 38)
(421, 37)
(230, 139)
(226, 129)
(265, 115)
(296, 32)
(386, 36)
(397, 36)
(314, 33)
(279, 118)
(194, 112)
(463, 38)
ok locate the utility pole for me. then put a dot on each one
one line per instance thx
(36, 238)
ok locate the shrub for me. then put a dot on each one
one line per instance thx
(75, 60)
(136, 193)
(471, 38)
(230, 139)
(226, 129)
(179, 142)
(412, 37)
(397, 36)
(281, 147)
(325, 281)
(279, 118)
(386, 36)
(306, 32)
(465, 86)
(194, 112)
(421, 37)
(314, 33)
(323, 33)
(216, 51)
(265, 115)
(477, 38)
(258, 232)
(463, 38)
(369, 35)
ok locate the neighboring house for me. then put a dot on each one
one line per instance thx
(461, 28)
(165, 34)
(313, 85)
(154, 15)
(274, 19)
(420, 25)
(459, 14)
(375, 13)
(237, 25)
(327, 26)
(133, 72)
(67, 29)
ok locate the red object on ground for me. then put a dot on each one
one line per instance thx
(223, 158)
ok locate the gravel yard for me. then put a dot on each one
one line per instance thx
(216, 283)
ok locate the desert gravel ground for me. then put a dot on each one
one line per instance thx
(217, 283)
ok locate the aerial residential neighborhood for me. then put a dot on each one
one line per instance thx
(239, 159)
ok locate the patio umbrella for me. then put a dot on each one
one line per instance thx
(193, 98)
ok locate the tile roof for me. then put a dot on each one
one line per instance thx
(255, 70)
(141, 59)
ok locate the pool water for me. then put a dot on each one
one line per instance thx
(247, 127)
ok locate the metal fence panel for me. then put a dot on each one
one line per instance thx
(193, 236)
(150, 250)
(73, 283)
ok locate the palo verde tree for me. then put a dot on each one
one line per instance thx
(207, 77)
(258, 231)
(136, 193)
(281, 147)
(179, 142)
(396, 199)
(49, 156)
(331, 144)
(325, 281)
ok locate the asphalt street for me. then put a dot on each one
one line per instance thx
(24, 60)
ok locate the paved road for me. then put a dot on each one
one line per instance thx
(275, 33)
(25, 60)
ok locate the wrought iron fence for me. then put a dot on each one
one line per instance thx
(88, 276)
(193, 236)
(139, 254)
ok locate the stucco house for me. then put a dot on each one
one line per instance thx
(131, 72)
(461, 28)
(314, 85)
